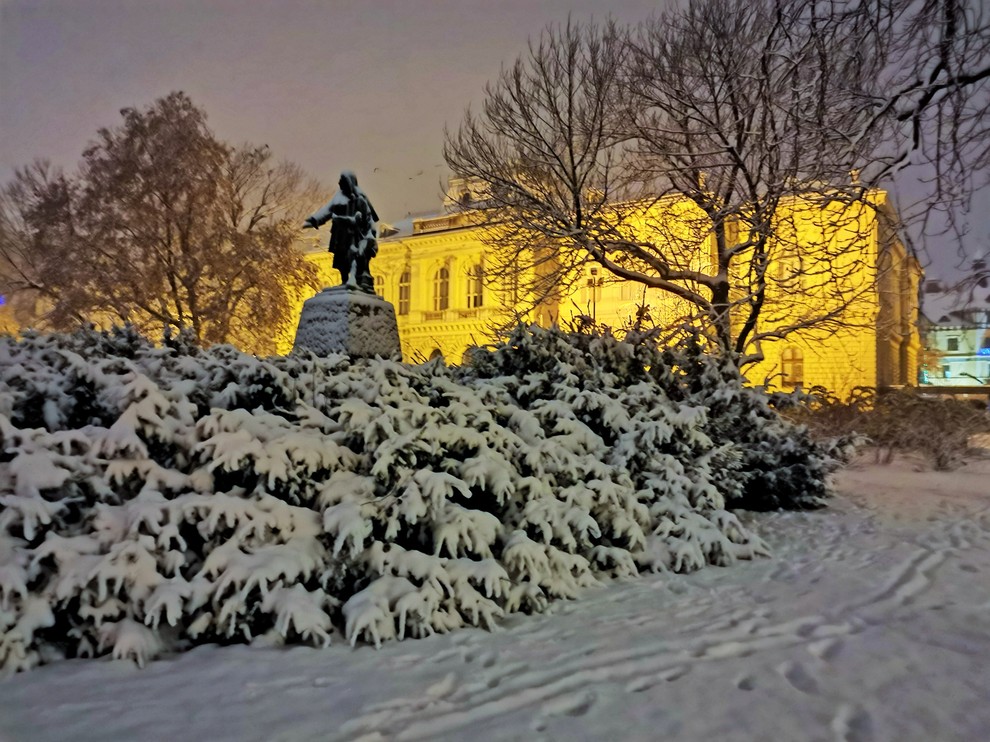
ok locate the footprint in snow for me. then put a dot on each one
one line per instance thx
(825, 650)
(638, 685)
(852, 724)
(573, 704)
(674, 673)
(746, 682)
(371, 737)
(795, 674)
(496, 677)
(446, 654)
(442, 688)
(645, 682)
(488, 659)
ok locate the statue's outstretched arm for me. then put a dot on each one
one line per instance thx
(319, 218)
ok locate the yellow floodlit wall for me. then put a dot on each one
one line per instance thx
(677, 225)
(857, 267)
(835, 257)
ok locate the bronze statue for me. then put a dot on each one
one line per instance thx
(353, 234)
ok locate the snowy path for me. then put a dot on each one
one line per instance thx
(871, 622)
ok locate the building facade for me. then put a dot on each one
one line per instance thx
(432, 269)
(956, 327)
(875, 341)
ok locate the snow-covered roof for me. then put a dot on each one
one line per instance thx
(404, 227)
(966, 305)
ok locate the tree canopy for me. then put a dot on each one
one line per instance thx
(164, 226)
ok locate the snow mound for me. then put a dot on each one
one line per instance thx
(154, 498)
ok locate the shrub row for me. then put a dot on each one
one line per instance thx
(152, 498)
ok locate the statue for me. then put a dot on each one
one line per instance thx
(350, 318)
(353, 236)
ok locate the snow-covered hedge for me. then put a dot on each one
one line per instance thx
(152, 498)
(781, 465)
(760, 460)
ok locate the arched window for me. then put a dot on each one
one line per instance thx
(792, 366)
(405, 290)
(380, 286)
(475, 298)
(441, 290)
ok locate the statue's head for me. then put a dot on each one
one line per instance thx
(347, 182)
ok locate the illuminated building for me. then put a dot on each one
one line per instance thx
(957, 333)
(432, 269)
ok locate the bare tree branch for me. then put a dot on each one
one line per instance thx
(669, 154)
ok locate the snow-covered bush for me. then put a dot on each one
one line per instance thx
(779, 464)
(755, 458)
(895, 421)
(152, 498)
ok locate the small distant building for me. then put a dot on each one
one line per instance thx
(956, 331)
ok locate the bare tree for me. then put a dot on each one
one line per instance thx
(549, 152)
(682, 154)
(37, 227)
(165, 227)
(931, 106)
(746, 111)
(934, 85)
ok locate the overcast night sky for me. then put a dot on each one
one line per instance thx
(328, 84)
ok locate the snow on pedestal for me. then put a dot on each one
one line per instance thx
(339, 320)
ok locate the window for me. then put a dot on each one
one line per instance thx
(405, 289)
(630, 291)
(475, 286)
(592, 287)
(952, 344)
(792, 365)
(512, 289)
(441, 290)
(790, 267)
(946, 372)
(380, 286)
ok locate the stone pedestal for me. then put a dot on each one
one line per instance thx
(342, 320)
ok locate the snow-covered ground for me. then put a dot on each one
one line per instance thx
(870, 622)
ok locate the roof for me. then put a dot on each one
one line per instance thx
(404, 227)
(961, 305)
